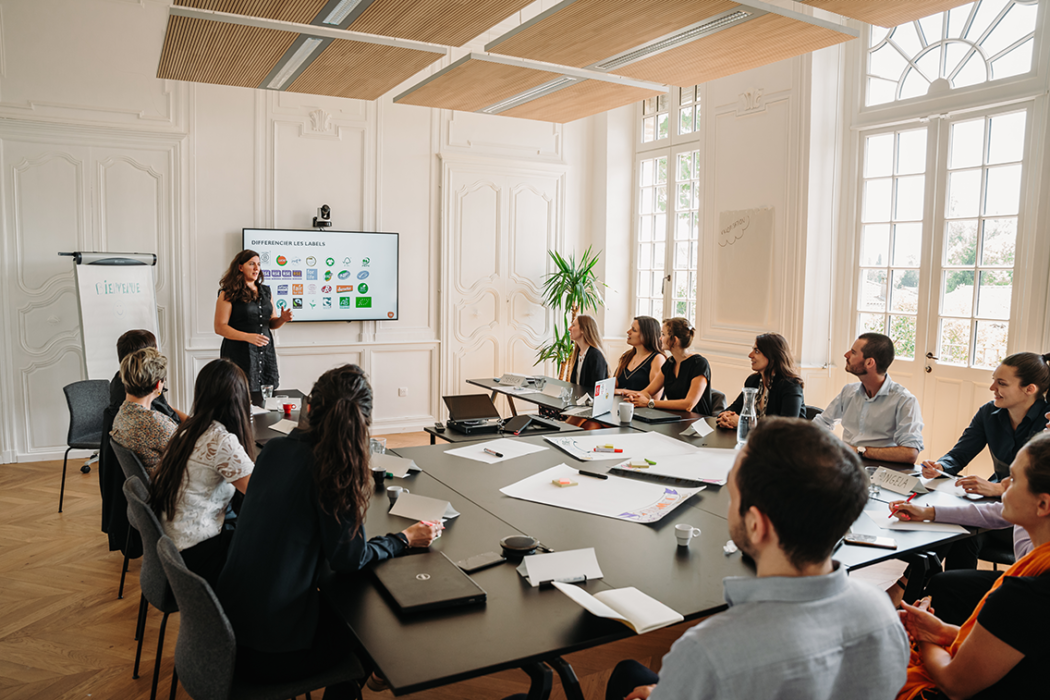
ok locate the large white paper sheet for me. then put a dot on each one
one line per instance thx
(889, 522)
(706, 464)
(640, 445)
(615, 497)
(508, 448)
(569, 566)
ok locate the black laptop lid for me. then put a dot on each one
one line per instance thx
(652, 415)
(427, 581)
(470, 407)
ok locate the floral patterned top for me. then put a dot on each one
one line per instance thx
(143, 431)
(218, 459)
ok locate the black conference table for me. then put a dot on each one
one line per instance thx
(261, 422)
(527, 628)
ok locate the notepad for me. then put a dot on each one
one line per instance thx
(284, 426)
(637, 610)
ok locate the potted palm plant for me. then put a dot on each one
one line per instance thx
(571, 289)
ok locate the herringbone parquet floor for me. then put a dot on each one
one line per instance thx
(64, 635)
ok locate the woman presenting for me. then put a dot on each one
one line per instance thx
(244, 316)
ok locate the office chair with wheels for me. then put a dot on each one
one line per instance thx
(86, 401)
(152, 581)
(132, 467)
(206, 650)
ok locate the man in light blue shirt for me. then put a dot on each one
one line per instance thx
(802, 628)
(880, 418)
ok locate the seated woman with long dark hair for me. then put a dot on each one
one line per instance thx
(685, 378)
(642, 364)
(209, 459)
(777, 379)
(1001, 650)
(306, 508)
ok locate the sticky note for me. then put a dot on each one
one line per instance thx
(563, 483)
(639, 463)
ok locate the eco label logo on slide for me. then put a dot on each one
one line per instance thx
(344, 288)
(311, 261)
(363, 302)
(344, 274)
(327, 275)
(313, 303)
(389, 314)
(311, 289)
(282, 289)
(344, 302)
(311, 274)
(282, 304)
(346, 261)
(297, 274)
(326, 289)
(362, 288)
(297, 302)
(297, 289)
(264, 257)
(281, 260)
(330, 262)
(363, 274)
(326, 302)
(365, 262)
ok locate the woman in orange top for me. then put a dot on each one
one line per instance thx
(1001, 650)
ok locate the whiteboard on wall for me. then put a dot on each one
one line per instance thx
(116, 292)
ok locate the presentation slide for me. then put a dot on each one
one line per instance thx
(329, 275)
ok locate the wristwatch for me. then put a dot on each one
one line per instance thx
(652, 403)
(861, 450)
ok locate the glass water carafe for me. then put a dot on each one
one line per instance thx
(748, 416)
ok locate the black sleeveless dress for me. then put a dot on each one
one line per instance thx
(636, 379)
(259, 363)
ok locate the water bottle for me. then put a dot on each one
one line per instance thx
(748, 417)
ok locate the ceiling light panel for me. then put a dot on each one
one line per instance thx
(586, 32)
(883, 13)
(471, 85)
(201, 51)
(757, 42)
(450, 22)
(300, 11)
(579, 100)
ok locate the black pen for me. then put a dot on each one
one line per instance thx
(493, 453)
(596, 475)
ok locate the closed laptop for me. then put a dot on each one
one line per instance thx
(427, 581)
(652, 415)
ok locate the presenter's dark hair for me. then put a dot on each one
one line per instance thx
(781, 365)
(1031, 369)
(232, 282)
(808, 483)
(878, 347)
(135, 340)
(649, 329)
(219, 394)
(680, 329)
(1038, 471)
(340, 413)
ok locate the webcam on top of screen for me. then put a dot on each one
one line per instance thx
(324, 217)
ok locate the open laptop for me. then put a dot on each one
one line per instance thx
(469, 408)
(427, 581)
(603, 401)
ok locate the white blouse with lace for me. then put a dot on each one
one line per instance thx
(217, 460)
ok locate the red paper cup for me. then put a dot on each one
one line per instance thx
(288, 408)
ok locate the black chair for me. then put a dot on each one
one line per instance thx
(152, 581)
(997, 547)
(812, 412)
(86, 401)
(206, 651)
(132, 467)
(718, 402)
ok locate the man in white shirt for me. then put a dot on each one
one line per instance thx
(801, 628)
(880, 418)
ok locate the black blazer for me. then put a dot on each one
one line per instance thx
(785, 397)
(594, 370)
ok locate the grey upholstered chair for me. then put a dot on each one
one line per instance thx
(206, 651)
(718, 402)
(86, 400)
(152, 581)
(132, 466)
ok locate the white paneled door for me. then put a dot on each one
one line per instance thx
(498, 224)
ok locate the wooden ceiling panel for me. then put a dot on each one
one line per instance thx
(588, 31)
(359, 70)
(301, 11)
(224, 54)
(754, 43)
(451, 22)
(884, 13)
(474, 85)
(579, 101)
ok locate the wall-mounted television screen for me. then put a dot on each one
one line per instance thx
(329, 275)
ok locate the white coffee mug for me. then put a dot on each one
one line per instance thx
(392, 492)
(684, 533)
(626, 412)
